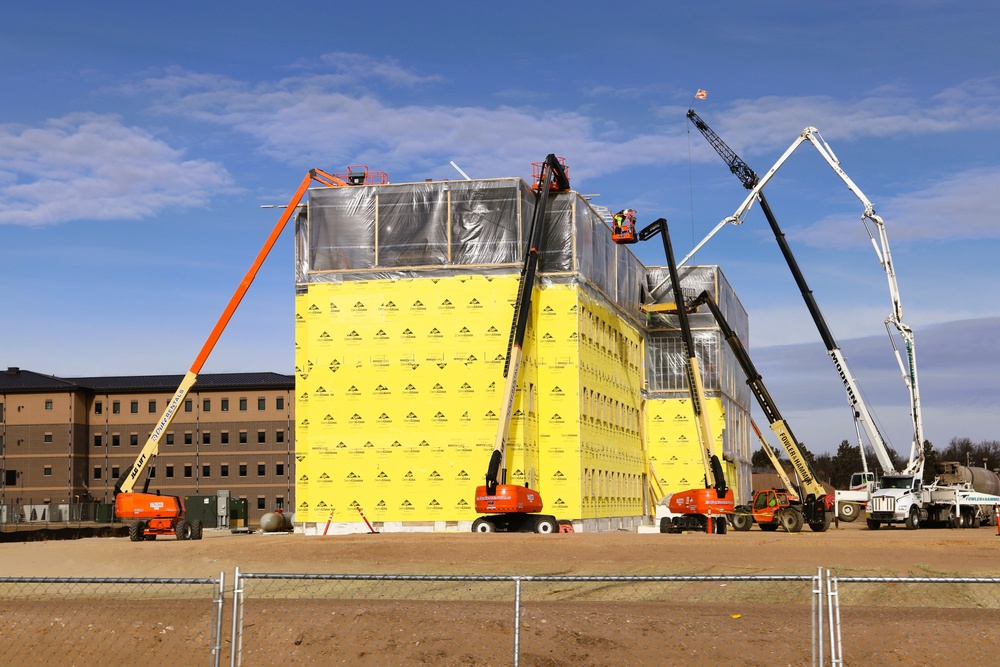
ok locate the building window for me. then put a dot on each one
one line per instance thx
(116, 407)
(279, 435)
(261, 503)
(243, 470)
(188, 405)
(261, 437)
(206, 405)
(279, 503)
(224, 405)
(224, 437)
(280, 402)
(47, 471)
(152, 472)
(98, 407)
(223, 470)
(116, 440)
(170, 438)
(152, 407)
(261, 403)
(48, 405)
(206, 470)
(133, 439)
(187, 470)
(187, 438)
(279, 469)
(10, 477)
(97, 440)
(261, 469)
(115, 472)
(206, 438)
(97, 472)
(47, 437)
(134, 407)
(243, 405)
(170, 471)
(243, 437)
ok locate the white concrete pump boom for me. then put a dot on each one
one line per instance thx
(880, 243)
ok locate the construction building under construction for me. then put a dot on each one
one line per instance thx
(404, 299)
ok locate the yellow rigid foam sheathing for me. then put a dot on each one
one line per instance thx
(399, 385)
(672, 442)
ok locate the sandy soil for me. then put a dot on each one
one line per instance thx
(578, 624)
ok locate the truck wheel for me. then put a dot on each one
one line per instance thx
(791, 520)
(873, 524)
(196, 529)
(849, 512)
(824, 525)
(135, 530)
(482, 525)
(741, 519)
(912, 519)
(546, 525)
(182, 529)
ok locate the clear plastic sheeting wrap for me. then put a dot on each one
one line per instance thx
(404, 230)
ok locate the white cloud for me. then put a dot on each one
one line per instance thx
(92, 167)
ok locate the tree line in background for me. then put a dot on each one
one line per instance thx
(836, 469)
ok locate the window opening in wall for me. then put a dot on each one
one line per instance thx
(261, 437)
(224, 405)
(188, 470)
(134, 407)
(279, 402)
(98, 440)
(224, 437)
(188, 405)
(279, 436)
(243, 470)
(243, 437)
(206, 438)
(115, 472)
(170, 471)
(97, 472)
(170, 438)
(116, 440)
(98, 407)
(188, 438)
(152, 407)
(133, 439)
(279, 503)
(261, 503)
(261, 469)
(47, 471)
(116, 407)
(243, 405)
(224, 470)
(279, 469)
(48, 405)
(47, 437)
(206, 405)
(262, 403)
(206, 470)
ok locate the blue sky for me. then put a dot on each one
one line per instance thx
(138, 143)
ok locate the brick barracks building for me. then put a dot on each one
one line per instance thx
(67, 440)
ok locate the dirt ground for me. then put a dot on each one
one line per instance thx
(561, 625)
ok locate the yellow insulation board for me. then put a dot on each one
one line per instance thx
(399, 387)
(672, 442)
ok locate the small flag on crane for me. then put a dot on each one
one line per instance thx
(701, 94)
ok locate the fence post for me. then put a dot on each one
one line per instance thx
(217, 640)
(236, 643)
(517, 620)
(836, 648)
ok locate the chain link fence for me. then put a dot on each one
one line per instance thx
(914, 620)
(108, 621)
(368, 619)
(522, 620)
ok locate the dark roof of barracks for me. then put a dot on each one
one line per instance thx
(15, 380)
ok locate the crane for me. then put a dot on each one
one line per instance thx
(880, 243)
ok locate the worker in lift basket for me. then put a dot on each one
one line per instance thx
(624, 219)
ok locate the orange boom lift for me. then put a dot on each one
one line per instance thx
(510, 507)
